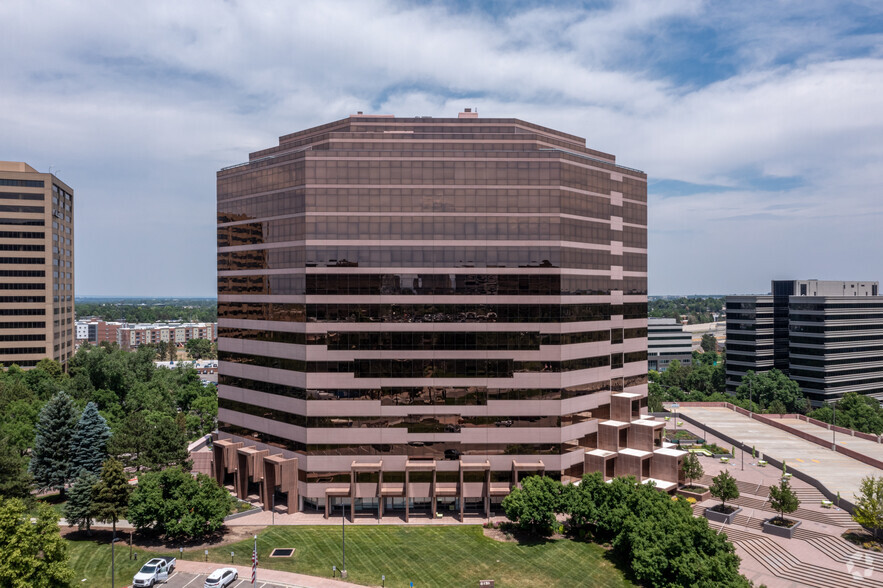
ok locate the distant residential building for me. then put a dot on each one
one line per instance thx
(826, 335)
(132, 336)
(667, 342)
(36, 266)
(97, 331)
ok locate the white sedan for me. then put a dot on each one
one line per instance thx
(221, 578)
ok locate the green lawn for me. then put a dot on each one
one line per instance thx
(428, 556)
(90, 559)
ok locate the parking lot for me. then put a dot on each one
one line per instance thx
(182, 580)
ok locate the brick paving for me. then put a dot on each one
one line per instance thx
(818, 556)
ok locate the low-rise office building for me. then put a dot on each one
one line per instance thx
(666, 342)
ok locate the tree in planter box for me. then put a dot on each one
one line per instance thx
(691, 468)
(783, 499)
(723, 487)
(869, 505)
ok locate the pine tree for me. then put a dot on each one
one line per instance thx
(90, 440)
(51, 458)
(131, 440)
(79, 509)
(111, 497)
(167, 444)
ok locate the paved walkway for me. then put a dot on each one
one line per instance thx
(836, 472)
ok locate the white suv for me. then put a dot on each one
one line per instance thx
(221, 578)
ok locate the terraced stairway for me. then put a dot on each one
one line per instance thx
(841, 550)
(835, 518)
(780, 563)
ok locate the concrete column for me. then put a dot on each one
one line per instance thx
(380, 495)
(241, 478)
(407, 496)
(269, 485)
(218, 462)
(432, 493)
(462, 493)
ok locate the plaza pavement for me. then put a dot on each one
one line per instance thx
(837, 472)
(863, 446)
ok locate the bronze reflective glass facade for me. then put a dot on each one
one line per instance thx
(459, 290)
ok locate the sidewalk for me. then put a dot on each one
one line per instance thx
(275, 576)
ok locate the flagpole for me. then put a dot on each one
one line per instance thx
(254, 562)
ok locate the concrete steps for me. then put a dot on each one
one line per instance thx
(837, 519)
(779, 562)
(845, 552)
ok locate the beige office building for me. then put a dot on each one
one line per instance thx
(36, 266)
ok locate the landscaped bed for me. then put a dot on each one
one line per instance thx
(722, 514)
(864, 540)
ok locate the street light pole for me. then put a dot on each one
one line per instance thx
(343, 535)
(834, 429)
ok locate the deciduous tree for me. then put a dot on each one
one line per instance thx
(175, 504)
(783, 499)
(533, 506)
(766, 387)
(708, 343)
(723, 487)
(691, 467)
(51, 459)
(869, 505)
(198, 348)
(15, 482)
(32, 554)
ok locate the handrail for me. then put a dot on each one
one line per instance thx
(267, 157)
(584, 156)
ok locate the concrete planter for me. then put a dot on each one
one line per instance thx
(719, 517)
(786, 532)
(720, 455)
(699, 496)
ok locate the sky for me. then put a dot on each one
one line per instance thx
(759, 123)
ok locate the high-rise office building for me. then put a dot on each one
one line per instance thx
(414, 313)
(826, 335)
(36, 266)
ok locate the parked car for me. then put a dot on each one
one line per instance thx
(221, 578)
(155, 570)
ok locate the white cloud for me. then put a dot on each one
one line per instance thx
(140, 103)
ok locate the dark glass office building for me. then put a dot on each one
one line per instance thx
(826, 335)
(414, 313)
